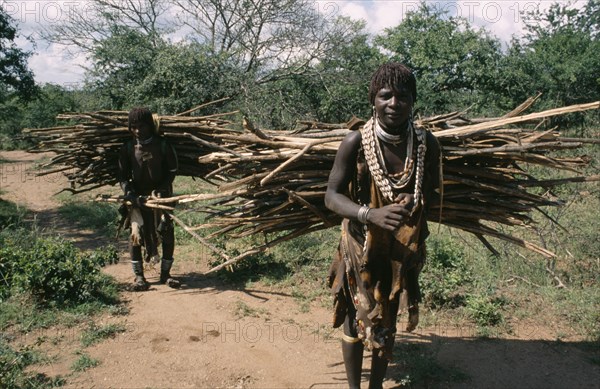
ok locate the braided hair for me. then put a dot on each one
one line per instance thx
(392, 75)
(141, 116)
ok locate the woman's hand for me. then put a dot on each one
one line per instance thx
(392, 216)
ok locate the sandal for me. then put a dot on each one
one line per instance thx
(140, 284)
(169, 281)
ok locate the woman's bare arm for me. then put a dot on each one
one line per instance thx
(389, 217)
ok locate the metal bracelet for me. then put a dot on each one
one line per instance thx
(362, 214)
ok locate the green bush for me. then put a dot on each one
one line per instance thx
(53, 271)
(445, 276)
(484, 310)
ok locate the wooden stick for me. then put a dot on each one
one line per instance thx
(207, 244)
(478, 128)
(189, 111)
(229, 263)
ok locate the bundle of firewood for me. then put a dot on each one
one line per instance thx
(88, 150)
(487, 176)
(273, 182)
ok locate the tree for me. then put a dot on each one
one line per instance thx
(563, 17)
(52, 100)
(558, 55)
(455, 65)
(271, 39)
(342, 78)
(15, 75)
(121, 38)
(38, 112)
(184, 75)
(261, 42)
(131, 69)
(121, 64)
(17, 85)
(332, 90)
(90, 23)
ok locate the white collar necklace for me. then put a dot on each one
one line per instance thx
(390, 138)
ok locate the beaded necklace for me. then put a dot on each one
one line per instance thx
(390, 184)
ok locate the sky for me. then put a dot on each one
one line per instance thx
(51, 64)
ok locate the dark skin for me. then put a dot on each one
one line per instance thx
(393, 108)
(149, 173)
(141, 131)
(148, 167)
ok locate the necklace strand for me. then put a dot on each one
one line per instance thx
(376, 162)
(387, 137)
(399, 180)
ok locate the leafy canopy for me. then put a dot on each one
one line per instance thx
(15, 76)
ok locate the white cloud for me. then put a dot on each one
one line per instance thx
(353, 10)
(501, 17)
(52, 65)
(377, 14)
(49, 62)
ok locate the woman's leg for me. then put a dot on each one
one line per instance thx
(352, 350)
(379, 364)
(381, 357)
(135, 253)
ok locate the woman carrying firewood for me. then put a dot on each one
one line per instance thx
(147, 166)
(383, 180)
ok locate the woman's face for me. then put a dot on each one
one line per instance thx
(393, 108)
(141, 131)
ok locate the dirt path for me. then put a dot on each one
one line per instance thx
(20, 184)
(210, 335)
